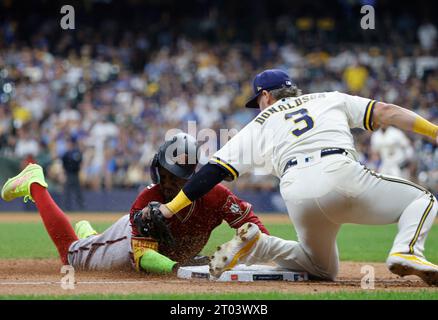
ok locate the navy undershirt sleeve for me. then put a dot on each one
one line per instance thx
(204, 180)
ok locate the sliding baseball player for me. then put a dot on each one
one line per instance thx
(305, 140)
(134, 241)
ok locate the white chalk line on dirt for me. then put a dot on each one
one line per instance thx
(336, 283)
(38, 283)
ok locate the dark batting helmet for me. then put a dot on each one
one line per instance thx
(179, 156)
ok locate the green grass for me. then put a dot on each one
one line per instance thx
(343, 295)
(30, 240)
(356, 243)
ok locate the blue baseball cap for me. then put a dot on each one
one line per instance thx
(268, 80)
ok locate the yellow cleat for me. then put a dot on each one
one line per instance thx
(409, 264)
(19, 186)
(228, 255)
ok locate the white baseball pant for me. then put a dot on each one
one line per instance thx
(325, 193)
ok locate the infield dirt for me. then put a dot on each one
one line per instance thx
(32, 276)
(43, 276)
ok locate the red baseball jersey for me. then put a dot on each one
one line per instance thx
(192, 226)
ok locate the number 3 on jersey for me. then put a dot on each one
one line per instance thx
(300, 117)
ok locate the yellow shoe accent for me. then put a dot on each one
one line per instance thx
(228, 255)
(242, 253)
(19, 186)
(415, 259)
(408, 264)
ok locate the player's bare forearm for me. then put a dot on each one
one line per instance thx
(386, 114)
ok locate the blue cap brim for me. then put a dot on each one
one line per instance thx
(252, 103)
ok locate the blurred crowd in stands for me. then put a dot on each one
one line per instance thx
(115, 100)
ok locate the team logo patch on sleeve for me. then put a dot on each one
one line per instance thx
(232, 206)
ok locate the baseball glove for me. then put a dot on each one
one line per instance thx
(153, 224)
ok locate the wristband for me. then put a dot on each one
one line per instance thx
(179, 202)
(425, 128)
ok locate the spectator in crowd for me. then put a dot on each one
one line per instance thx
(427, 34)
(71, 161)
(119, 100)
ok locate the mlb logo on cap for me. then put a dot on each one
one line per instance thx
(268, 80)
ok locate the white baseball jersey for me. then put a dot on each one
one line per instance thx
(295, 125)
(394, 149)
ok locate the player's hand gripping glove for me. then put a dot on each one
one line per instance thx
(152, 223)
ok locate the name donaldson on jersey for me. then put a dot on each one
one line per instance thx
(284, 107)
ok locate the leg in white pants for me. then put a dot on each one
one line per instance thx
(386, 200)
(317, 256)
(339, 190)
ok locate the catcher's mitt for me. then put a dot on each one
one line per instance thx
(153, 224)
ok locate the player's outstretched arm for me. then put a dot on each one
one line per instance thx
(387, 114)
(198, 185)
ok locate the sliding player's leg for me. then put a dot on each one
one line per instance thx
(30, 184)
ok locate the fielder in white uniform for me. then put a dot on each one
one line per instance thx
(394, 149)
(305, 140)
